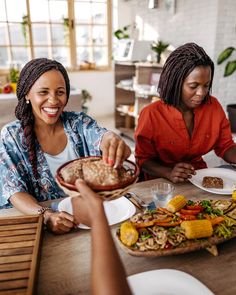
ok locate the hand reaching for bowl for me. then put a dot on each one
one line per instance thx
(181, 172)
(114, 149)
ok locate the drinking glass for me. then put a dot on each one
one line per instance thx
(162, 192)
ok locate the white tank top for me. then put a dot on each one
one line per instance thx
(56, 161)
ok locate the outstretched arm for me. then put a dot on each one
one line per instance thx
(57, 222)
(108, 274)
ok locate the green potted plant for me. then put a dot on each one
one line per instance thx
(231, 65)
(66, 26)
(229, 70)
(159, 47)
(25, 27)
(13, 77)
(122, 33)
(86, 96)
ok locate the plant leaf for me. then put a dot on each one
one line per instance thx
(225, 54)
(230, 68)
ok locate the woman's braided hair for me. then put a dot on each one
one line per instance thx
(177, 67)
(23, 111)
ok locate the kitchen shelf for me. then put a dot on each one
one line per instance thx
(136, 95)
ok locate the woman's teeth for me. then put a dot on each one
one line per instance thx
(51, 110)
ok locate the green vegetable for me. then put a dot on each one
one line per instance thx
(143, 238)
(223, 231)
(151, 211)
(205, 203)
(207, 206)
(217, 212)
(190, 203)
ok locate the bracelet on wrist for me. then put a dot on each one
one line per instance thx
(42, 210)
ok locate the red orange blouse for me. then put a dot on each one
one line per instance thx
(161, 134)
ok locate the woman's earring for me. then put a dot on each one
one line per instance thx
(27, 101)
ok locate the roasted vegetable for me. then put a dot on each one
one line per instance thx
(128, 233)
(189, 212)
(195, 229)
(234, 195)
(176, 203)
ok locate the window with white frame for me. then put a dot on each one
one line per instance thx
(73, 32)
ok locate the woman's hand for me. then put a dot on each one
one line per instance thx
(114, 149)
(59, 222)
(181, 172)
(88, 207)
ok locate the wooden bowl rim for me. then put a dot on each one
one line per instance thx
(97, 187)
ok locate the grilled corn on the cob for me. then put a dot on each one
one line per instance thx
(176, 203)
(234, 195)
(128, 233)
(195, 229)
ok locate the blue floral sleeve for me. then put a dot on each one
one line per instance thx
(13, 172)
(86, 134)
(16, 174)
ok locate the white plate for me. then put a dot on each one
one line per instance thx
(166, 282)
(228, 176)
(116, 210)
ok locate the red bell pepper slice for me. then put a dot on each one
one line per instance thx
(195, 207)
(189, 212)
(188, 217)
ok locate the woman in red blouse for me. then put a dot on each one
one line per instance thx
(175, 132)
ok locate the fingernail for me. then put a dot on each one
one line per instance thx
(111, 162)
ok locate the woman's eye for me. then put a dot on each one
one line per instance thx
(43, 92)
(60, 93)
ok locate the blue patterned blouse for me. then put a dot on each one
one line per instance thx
(16, 174)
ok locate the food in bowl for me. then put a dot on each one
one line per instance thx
(97, 173)
(74, 170)
(212, 182)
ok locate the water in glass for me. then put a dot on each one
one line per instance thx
(162, 192)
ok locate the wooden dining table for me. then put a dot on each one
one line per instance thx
(65, 264)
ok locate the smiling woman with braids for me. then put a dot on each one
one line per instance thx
(175, 132)
(43, 138)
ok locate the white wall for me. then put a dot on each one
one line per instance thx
(225, 87)
(211, 24)
(101, 87)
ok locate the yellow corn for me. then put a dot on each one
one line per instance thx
(128, 233)
(234, 195)
(195, 229)
(176, 203)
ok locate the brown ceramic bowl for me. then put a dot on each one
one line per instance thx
(128, 165)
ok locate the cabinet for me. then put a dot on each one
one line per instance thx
(135, 87)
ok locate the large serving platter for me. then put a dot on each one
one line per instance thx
(187, 245)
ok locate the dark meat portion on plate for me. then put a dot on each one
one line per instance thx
(212, 182)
